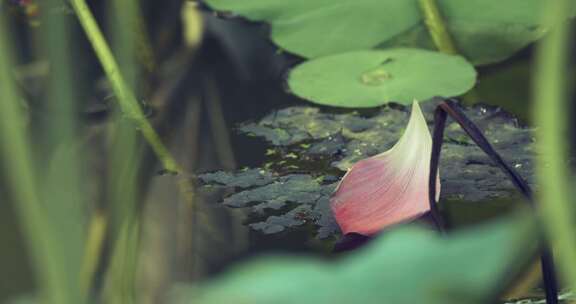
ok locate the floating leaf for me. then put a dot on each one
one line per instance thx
(408, 265)
(372, 78)
(480, 43)
(313, 28)
(488, 31)
(484, 30)
(390, 187)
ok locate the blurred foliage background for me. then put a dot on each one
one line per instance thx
(194, 75)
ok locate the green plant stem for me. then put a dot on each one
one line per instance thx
(126, 98)
(441, 37)
(437, 27)
(552, 143)
(44, 245)
(121, 274)
(94, 243)
(57, 151)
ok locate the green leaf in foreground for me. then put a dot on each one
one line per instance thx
(372, 78)
(408, 265)
(485, 31)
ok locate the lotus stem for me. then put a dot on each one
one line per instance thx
(437, 27)
(450, 107)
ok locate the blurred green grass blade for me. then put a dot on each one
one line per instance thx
(97, 229)
(121, 275)
(124, 144)
(125, 96)
(123, 196)
(124, 163)
(61, 185)
(45, 245)
(124, 167)
(550, 79)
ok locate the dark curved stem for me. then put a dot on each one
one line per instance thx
(439, 125)
(451, 107)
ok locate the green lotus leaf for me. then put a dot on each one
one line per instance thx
(481, 44)
(407, 265)
(313, 28)
(485, 31)
(372, 78)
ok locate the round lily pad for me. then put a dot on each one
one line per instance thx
(372, 78)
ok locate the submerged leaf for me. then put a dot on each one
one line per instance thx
(372, 78)
(390, 187)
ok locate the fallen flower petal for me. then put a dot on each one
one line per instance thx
(390, 187)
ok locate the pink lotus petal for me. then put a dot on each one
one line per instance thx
(390, 187)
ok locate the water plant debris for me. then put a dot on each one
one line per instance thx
(325, 144)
